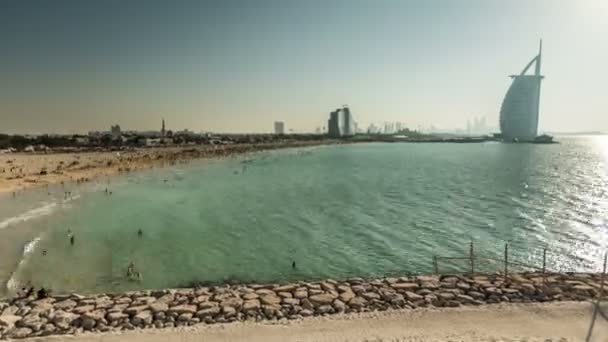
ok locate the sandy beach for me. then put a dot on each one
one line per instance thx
(19, 171)
(567, 321)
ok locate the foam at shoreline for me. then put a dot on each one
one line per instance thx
(13, 284)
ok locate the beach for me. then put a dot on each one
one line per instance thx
(567, 321)
(20, 171)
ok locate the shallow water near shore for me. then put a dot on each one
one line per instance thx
(337, 211)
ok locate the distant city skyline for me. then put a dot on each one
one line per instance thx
(237, 66)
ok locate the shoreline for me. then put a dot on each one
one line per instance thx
(175, 308)
(22, 171)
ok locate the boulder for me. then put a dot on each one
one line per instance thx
(344, 288)
(210, 312)
(207, 305)
(463, 286)
(96, 315)
(306, 304)
(252, 304)
(290, 301)
(476, 295)
(118, 307)
(445, 295)
(327, 286)
(104, 303)
(270, 299)
(134, 310)
(370, 295)
(228, 311)
(346, 296)
(405, 286)
(427, 278)
(10, 310)
(312, 292)
(250, 296)
(8, 321)
(464, 299)
(48, 329)
(160, 316)
(63, 320)
(339, 305)
(116, 316)
(200, 299)
(262, 292)
(82, 309)
(452, 304)
(88, 323)
(142, 318)
(233, 302)
(411, 296)
(300, 294)
(286, 288)
(122, 300)
(182, 309)
(185, 317)
(322, 299)
(306, 313)
(357, 303)
(325, 309)
(20, 333)
(168, 298)
(159, 307)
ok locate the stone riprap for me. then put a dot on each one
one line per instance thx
(70, 314)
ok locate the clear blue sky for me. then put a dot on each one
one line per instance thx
(236, 66)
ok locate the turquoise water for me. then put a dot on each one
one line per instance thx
(337, 211)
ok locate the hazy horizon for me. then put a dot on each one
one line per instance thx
(237, 66)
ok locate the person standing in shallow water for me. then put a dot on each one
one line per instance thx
(70, 237)
(293, 264)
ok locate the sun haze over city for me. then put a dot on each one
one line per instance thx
(238, 66)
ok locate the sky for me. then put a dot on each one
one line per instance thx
(71, 66)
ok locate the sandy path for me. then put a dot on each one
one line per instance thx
(514, 322)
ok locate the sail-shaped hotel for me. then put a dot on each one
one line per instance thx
(519, 111)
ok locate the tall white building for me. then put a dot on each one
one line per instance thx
(520, 108)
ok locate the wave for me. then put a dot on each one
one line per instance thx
(46, 209)
(28, 215)
(12, 283)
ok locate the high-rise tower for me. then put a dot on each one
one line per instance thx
(520, 108)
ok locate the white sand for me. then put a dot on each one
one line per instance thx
(513, 322)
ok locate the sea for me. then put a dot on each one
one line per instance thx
(338, 211)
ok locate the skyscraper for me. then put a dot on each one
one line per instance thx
(519, 111)
(340, 123)
(279, 127)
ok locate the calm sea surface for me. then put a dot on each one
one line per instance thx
(337, 211)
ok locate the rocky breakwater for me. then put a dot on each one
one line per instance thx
(70, 314)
